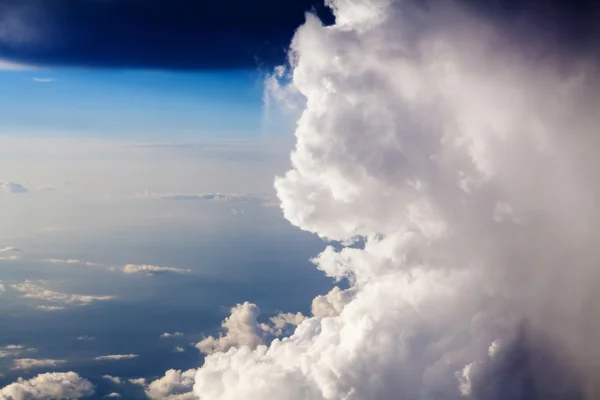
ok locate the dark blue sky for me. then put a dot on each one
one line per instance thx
(235, 34)
(174, 34)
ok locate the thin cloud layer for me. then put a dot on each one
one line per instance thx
(30, 290)
(151, 269)
(36, 363)
(116, 357)
(466, 164)
(63, 385)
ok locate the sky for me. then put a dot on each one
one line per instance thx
(374, 199)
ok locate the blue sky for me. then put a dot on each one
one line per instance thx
(132, 104)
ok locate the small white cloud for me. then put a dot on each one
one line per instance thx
(44, 80)
(179, 349)
(115, 357)
(50, 308)
(55, 385)
(13, 188)
(113, 379)
(168, 335)
(114, 395)
(138, 381)
(35, 363)
(2, 288)
(47, 189)
(86, 338)
(151, 269)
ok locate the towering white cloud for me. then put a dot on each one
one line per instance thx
(64, 385)
(468, 169)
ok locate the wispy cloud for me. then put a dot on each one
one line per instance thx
(14, 350)
(44, 80)
(30, 290)
(31, 363)
(151, 269)
(70, 261)
(115, 357)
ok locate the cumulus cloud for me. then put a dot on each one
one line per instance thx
(113, 395)
(63, 385)
(151, 269)
(179, 349)
(35, 363)
(116, 357)
(12, 188)
(30, 290)
(331, 304)
(457, 168)
(175, 385)
(242, 328)
(2, 288)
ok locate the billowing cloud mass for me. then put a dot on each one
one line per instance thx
(12, 188)
(64, 385)
(457, 167)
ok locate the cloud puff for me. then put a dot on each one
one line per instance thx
(151, 269)
(30, 290)
(242, 328)
(116, 357)
(114, 395)
(457, 168)
(169, 335)
(175, 385)
(36, 363)
(113, 379)
(12, 188)
(63, 385)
